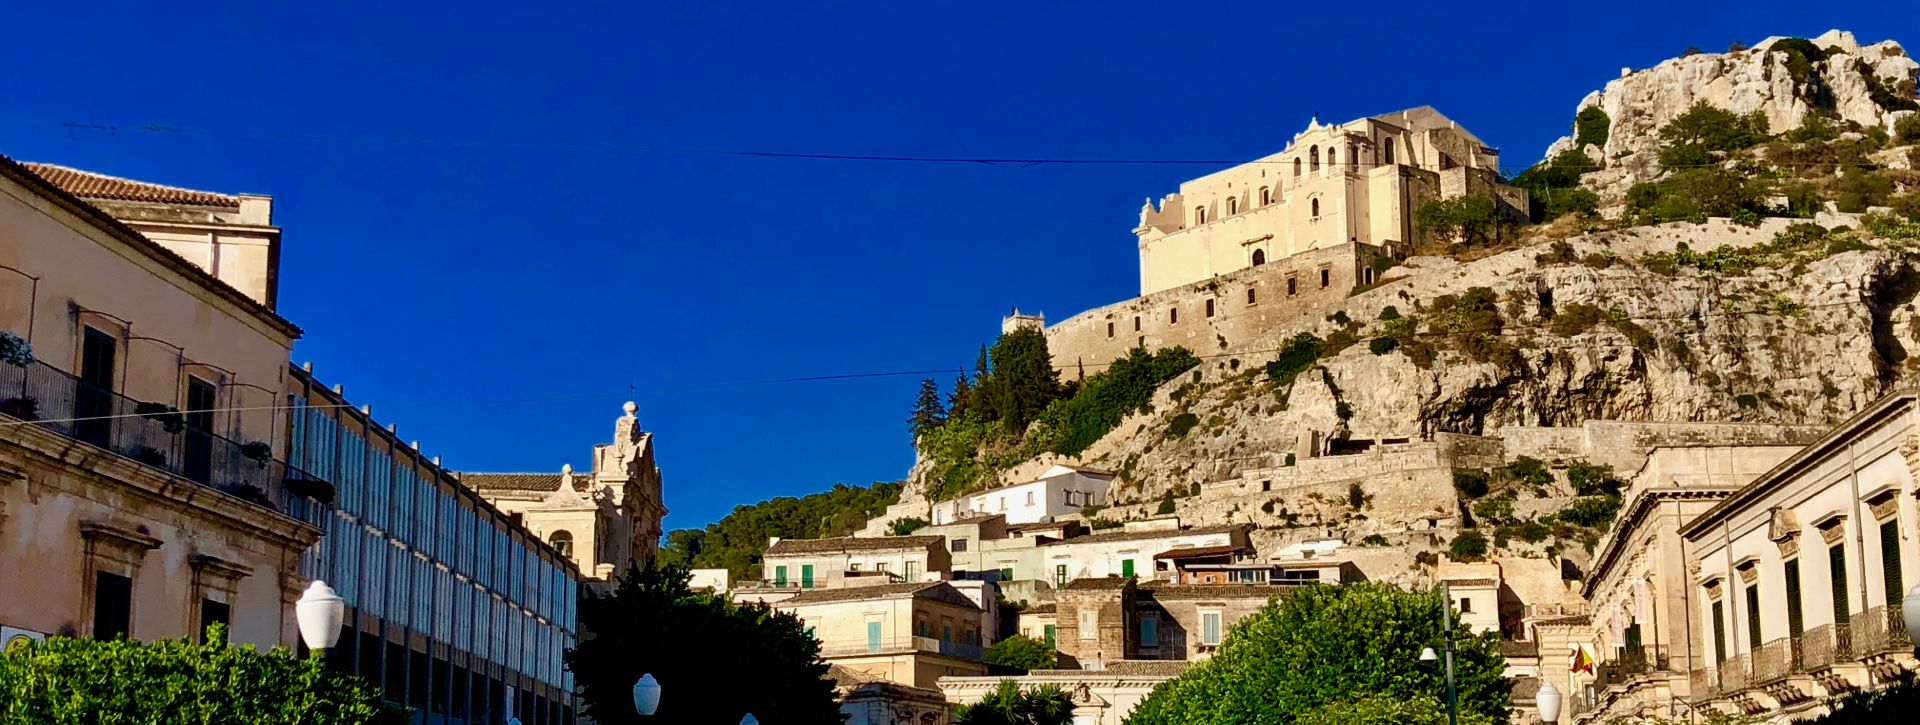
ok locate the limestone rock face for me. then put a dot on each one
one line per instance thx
(1760, 79)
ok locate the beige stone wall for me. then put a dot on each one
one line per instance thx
(1109, 609)
(1624, 445)
(1179, 610)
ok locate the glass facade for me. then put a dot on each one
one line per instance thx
(453, 609)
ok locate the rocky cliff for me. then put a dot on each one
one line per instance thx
(1785, 80)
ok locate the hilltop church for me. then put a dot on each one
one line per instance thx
(1239, 252)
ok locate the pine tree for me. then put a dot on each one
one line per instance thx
(928, 413)
(1023, 380)
(961, 398)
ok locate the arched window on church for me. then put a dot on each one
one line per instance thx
(1333, 160)
(1259, 257)
(1199, 216)
(562, 541)
(1296, 166)
(1316, 208)
(1386, 146)
(1313, 155)
(1266, 196)
(1233, 206)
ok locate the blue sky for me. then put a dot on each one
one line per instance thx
(498, 217)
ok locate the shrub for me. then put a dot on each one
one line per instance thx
(1298, 354)
(1102, 523)
(1590, 127)
(1907, 129)
(1472, 220)
(1574, 319)
(1801, 55)
(1166, 505)
(1590, 479)
(1022, 653)
(1382, 345)
(1592, 512)
(906, 526)
(1714, 129)
(1471, 484)
(14, 350)
(1468, 546)
(64, 680)
(1389, 313)
(1495, 509)
(1356, 496)
(1069, 425)
(1529, 471)
(1856, 190)
(1534, 532)
(1182, 423)
(1343, 410)
(1374, 540)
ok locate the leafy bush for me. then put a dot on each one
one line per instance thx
(1894, 703)
(1592, 512)
(1495, 509)
(1575, 318)
(1591, 479)
(737, 541)
(1418, 710)
(1007, 704)
(1298, 354)
(1801, 55)
(1101, 523)
(1389, 313)
(1322, 645)
(1166, 505)
(1714, 129)
(1069, 425)
(1529, 471)
(1382, 345)
(1022, 653)
(1468, 545)
(1182, 423)
(14, 350)
(1858, 189)
(906, 526)
(63, 680)
(1554, 184)
(1693, 195)
(1374, 540)
(1472, 219)
(1907, 129)
(1471, 484)
(1472, 322)
(1590, 127)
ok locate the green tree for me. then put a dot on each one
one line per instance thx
(1022, 653)
(1895, 703)
(63, 681)
(1384, 710)
(1468, 545)
(1010, 705)
(701, 647)
(1022, 382)
(1715, 129)
(1317, 646)
(961, 397)
(928, 413)
(1069, 425)
(1590, 127)
(906, 526)
(737, 541)
(1473, 219)
(1166, 505)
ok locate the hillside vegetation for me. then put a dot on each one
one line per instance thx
(737, 541)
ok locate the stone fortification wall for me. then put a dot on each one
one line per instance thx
(1179, 316)
(1624, 444)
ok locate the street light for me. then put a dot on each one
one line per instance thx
(320, 613)
(1548, 700)
(1427, 654)
(1910, 608)
(749, 719)
(646, 695)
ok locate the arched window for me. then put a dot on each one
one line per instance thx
(562, 541)
(1259, 257)
(1266, 196)
(1387, 147)
(1333, 160)
(1233, 206)
(1352, 158)
(1313, 155)
(1199, 216)
(1316, 208)
(1296, 166)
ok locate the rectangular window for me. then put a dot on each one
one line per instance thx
(1837, 570)
(1326, 278)
(211, 612)
(913, 571)
(1173, 316)
(1719, 632)
(1126, 567)
(1059, 575)
(1753, 617)
(1006, 573)
(1089, 625)
(1890, 561)
(112, 605)
(959, 544)
(1136, 323)
(1149, 632)
(1466, 605)
(1109, 330)
(1209, 308)
(1795, 624)
(1293, 286)
(1210, 628)
(1049, 631)
(806, 576)
(1250, 295)
(1029, 498)
(197, 448)
(873, 636)
(93, 396)
(920, 628)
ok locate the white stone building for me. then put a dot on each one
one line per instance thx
(1059, 491)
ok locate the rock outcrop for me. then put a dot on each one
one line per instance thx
(1766, 78)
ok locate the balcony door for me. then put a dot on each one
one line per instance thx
(197, 459)
(873, 636)
(93, 395)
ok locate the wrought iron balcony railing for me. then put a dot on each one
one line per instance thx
(1776, 660)
(1736, 673)
(1825, 646)
(157, 436)
(899, 645)
(1880, 630)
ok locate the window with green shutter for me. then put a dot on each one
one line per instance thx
(1890, 561)
(1753, 616)
(779, 576)
(1719, 632)
(1006, 573)
(1795, 625)
(1126, 567)
(1837, 572)
(1050, 630)
(1060, 575)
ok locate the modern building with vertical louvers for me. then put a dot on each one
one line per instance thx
(455, 609)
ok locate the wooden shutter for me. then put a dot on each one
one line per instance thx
(1837, 572)
(1719, 632)
(1890, 561)
(1795, 624)
(1753, 616)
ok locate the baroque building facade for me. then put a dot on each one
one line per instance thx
(604, 520)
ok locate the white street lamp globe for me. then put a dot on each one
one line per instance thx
(646, 695)
(1427, 655)
(749, 719)
(1910, 608)
(320, 612)
(1548, 699)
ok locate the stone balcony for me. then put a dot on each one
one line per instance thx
(1871, 650)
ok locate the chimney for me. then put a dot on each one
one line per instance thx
(771, 540)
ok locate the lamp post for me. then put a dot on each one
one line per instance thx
(1427, 654)
(320, 612)
(646, 695)
(1548, 700)
(749, 719)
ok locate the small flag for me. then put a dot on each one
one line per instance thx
(1582, 662)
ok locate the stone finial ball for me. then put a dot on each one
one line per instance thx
(630, 408)
(566, 468)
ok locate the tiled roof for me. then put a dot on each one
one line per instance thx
(1048, 608)
(1569, 619)
(1112, 582)
(1510, 648)
(519, 481)
(1526, 689)
(849, 677)
(1143, 535)
(91, 185)
(1471, 582)
(851, 543)
(850, 594)
(1196, 552)
(1129, 668)
(1162, 590)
